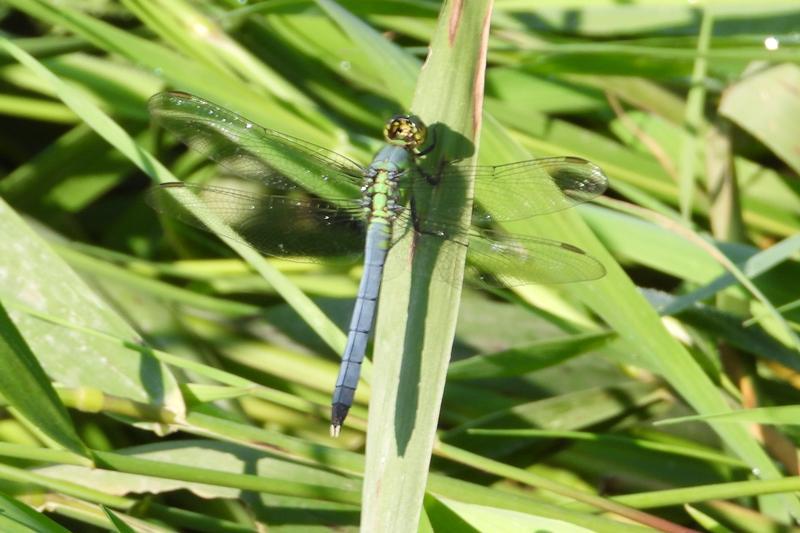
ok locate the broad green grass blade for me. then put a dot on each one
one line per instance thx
(119, 525)
(211, 470)
(31, 477)
(38, 278)
(766, 105)
(633, 239)
(524, 359)
(25, 386)
(19, 518)
(472, 517)
(416, 321)
(468, 493)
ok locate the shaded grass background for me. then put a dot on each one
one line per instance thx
(606, 82)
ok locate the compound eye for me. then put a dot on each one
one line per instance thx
(406, 130)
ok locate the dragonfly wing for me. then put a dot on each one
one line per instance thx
(306, 229)
(498, 259)
(252, 151)
(521, 190)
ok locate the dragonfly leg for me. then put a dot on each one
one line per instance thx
(434, 178)
(417, 223)
(414, 215)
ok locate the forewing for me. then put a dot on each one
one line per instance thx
(252, 151)
(520, 190)
(303, 229)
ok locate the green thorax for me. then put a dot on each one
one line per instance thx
(404, 135)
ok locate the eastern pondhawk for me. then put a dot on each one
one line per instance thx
(320, 203)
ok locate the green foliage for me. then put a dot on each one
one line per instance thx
(552, 407)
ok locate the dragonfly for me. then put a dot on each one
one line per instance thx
(314, 203)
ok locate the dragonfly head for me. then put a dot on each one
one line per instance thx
(407, 131)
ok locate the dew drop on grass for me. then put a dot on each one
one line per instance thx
(772, 43)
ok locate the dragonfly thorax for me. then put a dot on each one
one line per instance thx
(379, 193)
(407, 131)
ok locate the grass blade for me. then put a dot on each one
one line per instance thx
(416, 322)
(25, 386)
